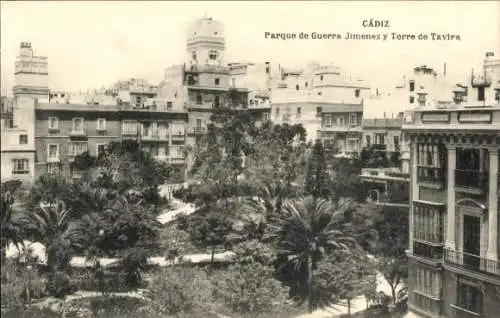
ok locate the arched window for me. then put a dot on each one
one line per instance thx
(297, 87)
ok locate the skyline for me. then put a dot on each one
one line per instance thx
(98, 45)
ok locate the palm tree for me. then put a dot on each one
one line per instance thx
(48, 224)
(8, 227)
(306, 230)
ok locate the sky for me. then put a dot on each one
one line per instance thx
(94, 44)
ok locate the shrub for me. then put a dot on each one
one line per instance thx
(249, 289)
(180, 290)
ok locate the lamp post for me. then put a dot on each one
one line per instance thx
(28, 289)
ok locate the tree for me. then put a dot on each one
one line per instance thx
(307, 230)
(48, 224)
(249, 289)
(211, 230)
(181, 290)
(9, 230)
(317, 177)
(392, 228)
(345, 276)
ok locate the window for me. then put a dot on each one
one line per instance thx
(217, 101)
(267, 69)
(53, 168)
(100, 149)
(129, 127)
(428, 223)
(146, 129)
(23, 139)
(396, 141)
(421, 99)
(299, 111)
(162, 129)
(177, 151)
(138, 101)
(356, 93)
(327, 121)
(480, 94)
(212, 55)
(77, 148)
(352, 145)
(169, 105)
(412, 99)
(353, 119)
(497, 94)
(233, 82)
(20, 166)
(78, 124)
(101, 124)
(319, 110)
(412, 86)
(340, 121)
(217, 81)
(469, 297)
(277, 111)
(427, 155)
(427, 281)
(53, 123)
(305, 84)
(320, 93)
(368, 140)
(53, 151)
(199, 99)
(321, 78)
(193, 55)
(297, 87)
(380, 139)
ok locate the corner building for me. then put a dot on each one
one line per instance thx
(454, 270)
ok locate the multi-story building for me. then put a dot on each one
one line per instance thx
(383, 134)
(18, 136)
(454, 269)
(386, 186)
(50, 128)
(257, 78)
(328, 104)
(203, 83)
(64, 131)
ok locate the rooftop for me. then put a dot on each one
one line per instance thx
(104, 108)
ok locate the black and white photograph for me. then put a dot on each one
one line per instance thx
(250, 159)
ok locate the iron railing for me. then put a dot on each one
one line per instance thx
(471, 179)
(472, 262)
(430, 174)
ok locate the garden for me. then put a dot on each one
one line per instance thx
(293, 216)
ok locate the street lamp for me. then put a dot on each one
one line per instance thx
(28, 287)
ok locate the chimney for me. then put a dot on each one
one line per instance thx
(384, 115)
(444, 71)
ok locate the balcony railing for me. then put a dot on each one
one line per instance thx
(178, 135)
(53, 159)
(430, 174)
(428, 251)
(434, 238)
(79, 132)
(481, 80)
(472, 262)
(425, 304)
(471, 179)
(380, 147)
(459, 312)
(197, 130)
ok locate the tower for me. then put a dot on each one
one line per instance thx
(205, 43)
(31, 73)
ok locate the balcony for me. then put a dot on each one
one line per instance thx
(427, 305)
(53, 159)
(379, 147)
(78, 133)
(472, 262)
(176, 160)
(471, 179)
(197, 130)
(430, 174)
(459, 312)
(481, 81)
(344, 128)
(206, 68)
(179, 135)
(428, 251)
(129, 133)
